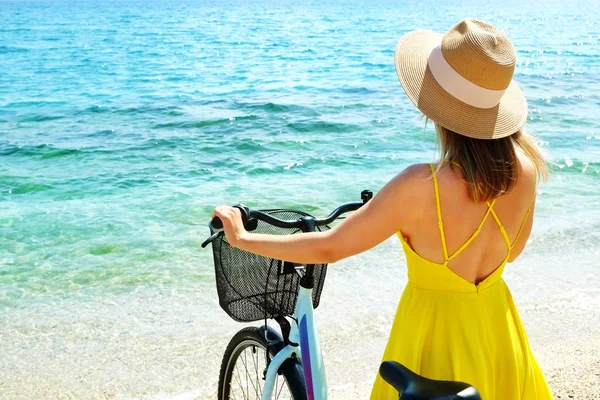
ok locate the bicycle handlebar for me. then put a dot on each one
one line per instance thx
(250, 217)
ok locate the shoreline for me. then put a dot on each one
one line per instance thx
(571, 368)
(167, 344)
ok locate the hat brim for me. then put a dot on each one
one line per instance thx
(412, 53)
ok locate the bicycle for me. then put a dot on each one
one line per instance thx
(252, 288)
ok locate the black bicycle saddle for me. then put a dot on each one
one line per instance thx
(412, 386)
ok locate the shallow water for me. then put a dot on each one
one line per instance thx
(122, 125)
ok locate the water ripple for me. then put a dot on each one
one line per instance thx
(121, 125)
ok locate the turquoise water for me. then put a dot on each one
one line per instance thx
(123, 123)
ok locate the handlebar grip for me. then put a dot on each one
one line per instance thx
(217, 223)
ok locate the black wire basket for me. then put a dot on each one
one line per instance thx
(253, 287)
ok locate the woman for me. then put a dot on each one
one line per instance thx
(461, 220)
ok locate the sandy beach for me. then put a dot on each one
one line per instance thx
(563, 336)
(165, 345)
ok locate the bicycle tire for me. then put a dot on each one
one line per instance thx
(291, 369)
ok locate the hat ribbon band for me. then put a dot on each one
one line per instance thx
(459, 87)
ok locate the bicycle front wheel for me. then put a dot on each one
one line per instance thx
(243, 366)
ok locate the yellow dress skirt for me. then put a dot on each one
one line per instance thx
(448, 328)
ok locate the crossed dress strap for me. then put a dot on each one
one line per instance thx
(528, 208)
(478, 230)
(439, 212)
(489, 211)
(523, 222)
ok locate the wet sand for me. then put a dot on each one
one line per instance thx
(168, 344)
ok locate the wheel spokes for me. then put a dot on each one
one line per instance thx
(239, 379)
(280, 389)
(246, 376)
(254, 350)
(245, 361)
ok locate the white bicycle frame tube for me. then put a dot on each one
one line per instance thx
(280, 357)
(303, 332)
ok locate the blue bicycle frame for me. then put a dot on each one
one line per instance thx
(304, 344)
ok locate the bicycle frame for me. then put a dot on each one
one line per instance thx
(302, 341)
(304, 333)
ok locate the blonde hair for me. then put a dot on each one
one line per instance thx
(490, 167)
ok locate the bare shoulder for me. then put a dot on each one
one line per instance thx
(408, 183)
(527, 167)
(527, 173)
(413, 177)
(418, 171)
(409, 188)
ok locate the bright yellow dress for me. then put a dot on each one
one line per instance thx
(448, 328)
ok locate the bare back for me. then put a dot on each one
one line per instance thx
(487, 246)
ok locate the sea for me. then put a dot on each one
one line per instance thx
(123, 123)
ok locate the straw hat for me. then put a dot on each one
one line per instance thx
(463, 79)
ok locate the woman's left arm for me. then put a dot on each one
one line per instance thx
(374, 222)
